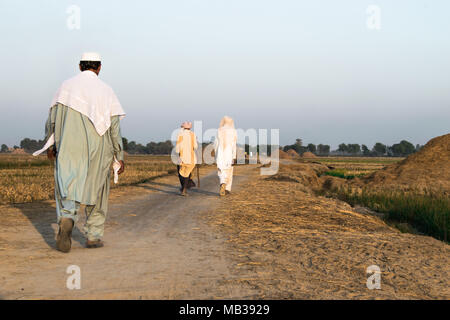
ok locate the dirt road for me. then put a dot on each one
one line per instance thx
(156, 247)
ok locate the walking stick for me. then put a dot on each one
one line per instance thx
(198, 176)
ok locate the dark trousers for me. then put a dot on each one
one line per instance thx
(188, 182)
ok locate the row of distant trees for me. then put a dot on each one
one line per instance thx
(320, 149)
(132, 147)
(166, 147)
(401, 149)
(31, 145)
(4, 148)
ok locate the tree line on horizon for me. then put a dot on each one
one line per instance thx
(165, 147)
(401, 149)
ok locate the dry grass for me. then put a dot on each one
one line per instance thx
(357, 166)
(142, 168)
(295, 245)
(24, 178)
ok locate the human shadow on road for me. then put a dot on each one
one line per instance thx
(161, 187)
(42, 215)
(200, 191)
(173, 189)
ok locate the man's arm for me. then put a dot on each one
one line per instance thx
(49, 130)
(117, 142)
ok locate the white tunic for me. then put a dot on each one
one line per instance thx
(225, 147)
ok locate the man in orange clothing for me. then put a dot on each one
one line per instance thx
(185, 147)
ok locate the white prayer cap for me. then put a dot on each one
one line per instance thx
(91, 56)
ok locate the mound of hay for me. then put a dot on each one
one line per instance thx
(332, 183)
(284, 155)
(425, 170)
(306, 174)
(18, 151)
(292, 153)
(308, 154)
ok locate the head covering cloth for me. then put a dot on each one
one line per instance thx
(90, 96)
(226, 121)
(186, 125)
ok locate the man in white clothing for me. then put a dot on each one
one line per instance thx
(225, 150)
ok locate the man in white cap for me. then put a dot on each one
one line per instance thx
(185, 147)
(84, 121)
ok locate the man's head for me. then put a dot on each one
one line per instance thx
(186, 125)
(91, 61)
(226, 121)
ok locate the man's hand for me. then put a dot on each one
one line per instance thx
(51, 153)
(122, 167)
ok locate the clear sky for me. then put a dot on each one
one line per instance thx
(312, 69)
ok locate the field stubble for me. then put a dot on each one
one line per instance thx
(24, 178)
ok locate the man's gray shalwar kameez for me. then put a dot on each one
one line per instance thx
(83, 165)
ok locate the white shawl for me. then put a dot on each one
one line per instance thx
(225, 146)
(89, 95)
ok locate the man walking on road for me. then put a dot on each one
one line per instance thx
(225, 150)
(84, 122)
(185, 147)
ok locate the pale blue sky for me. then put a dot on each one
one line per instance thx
(309, 68)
